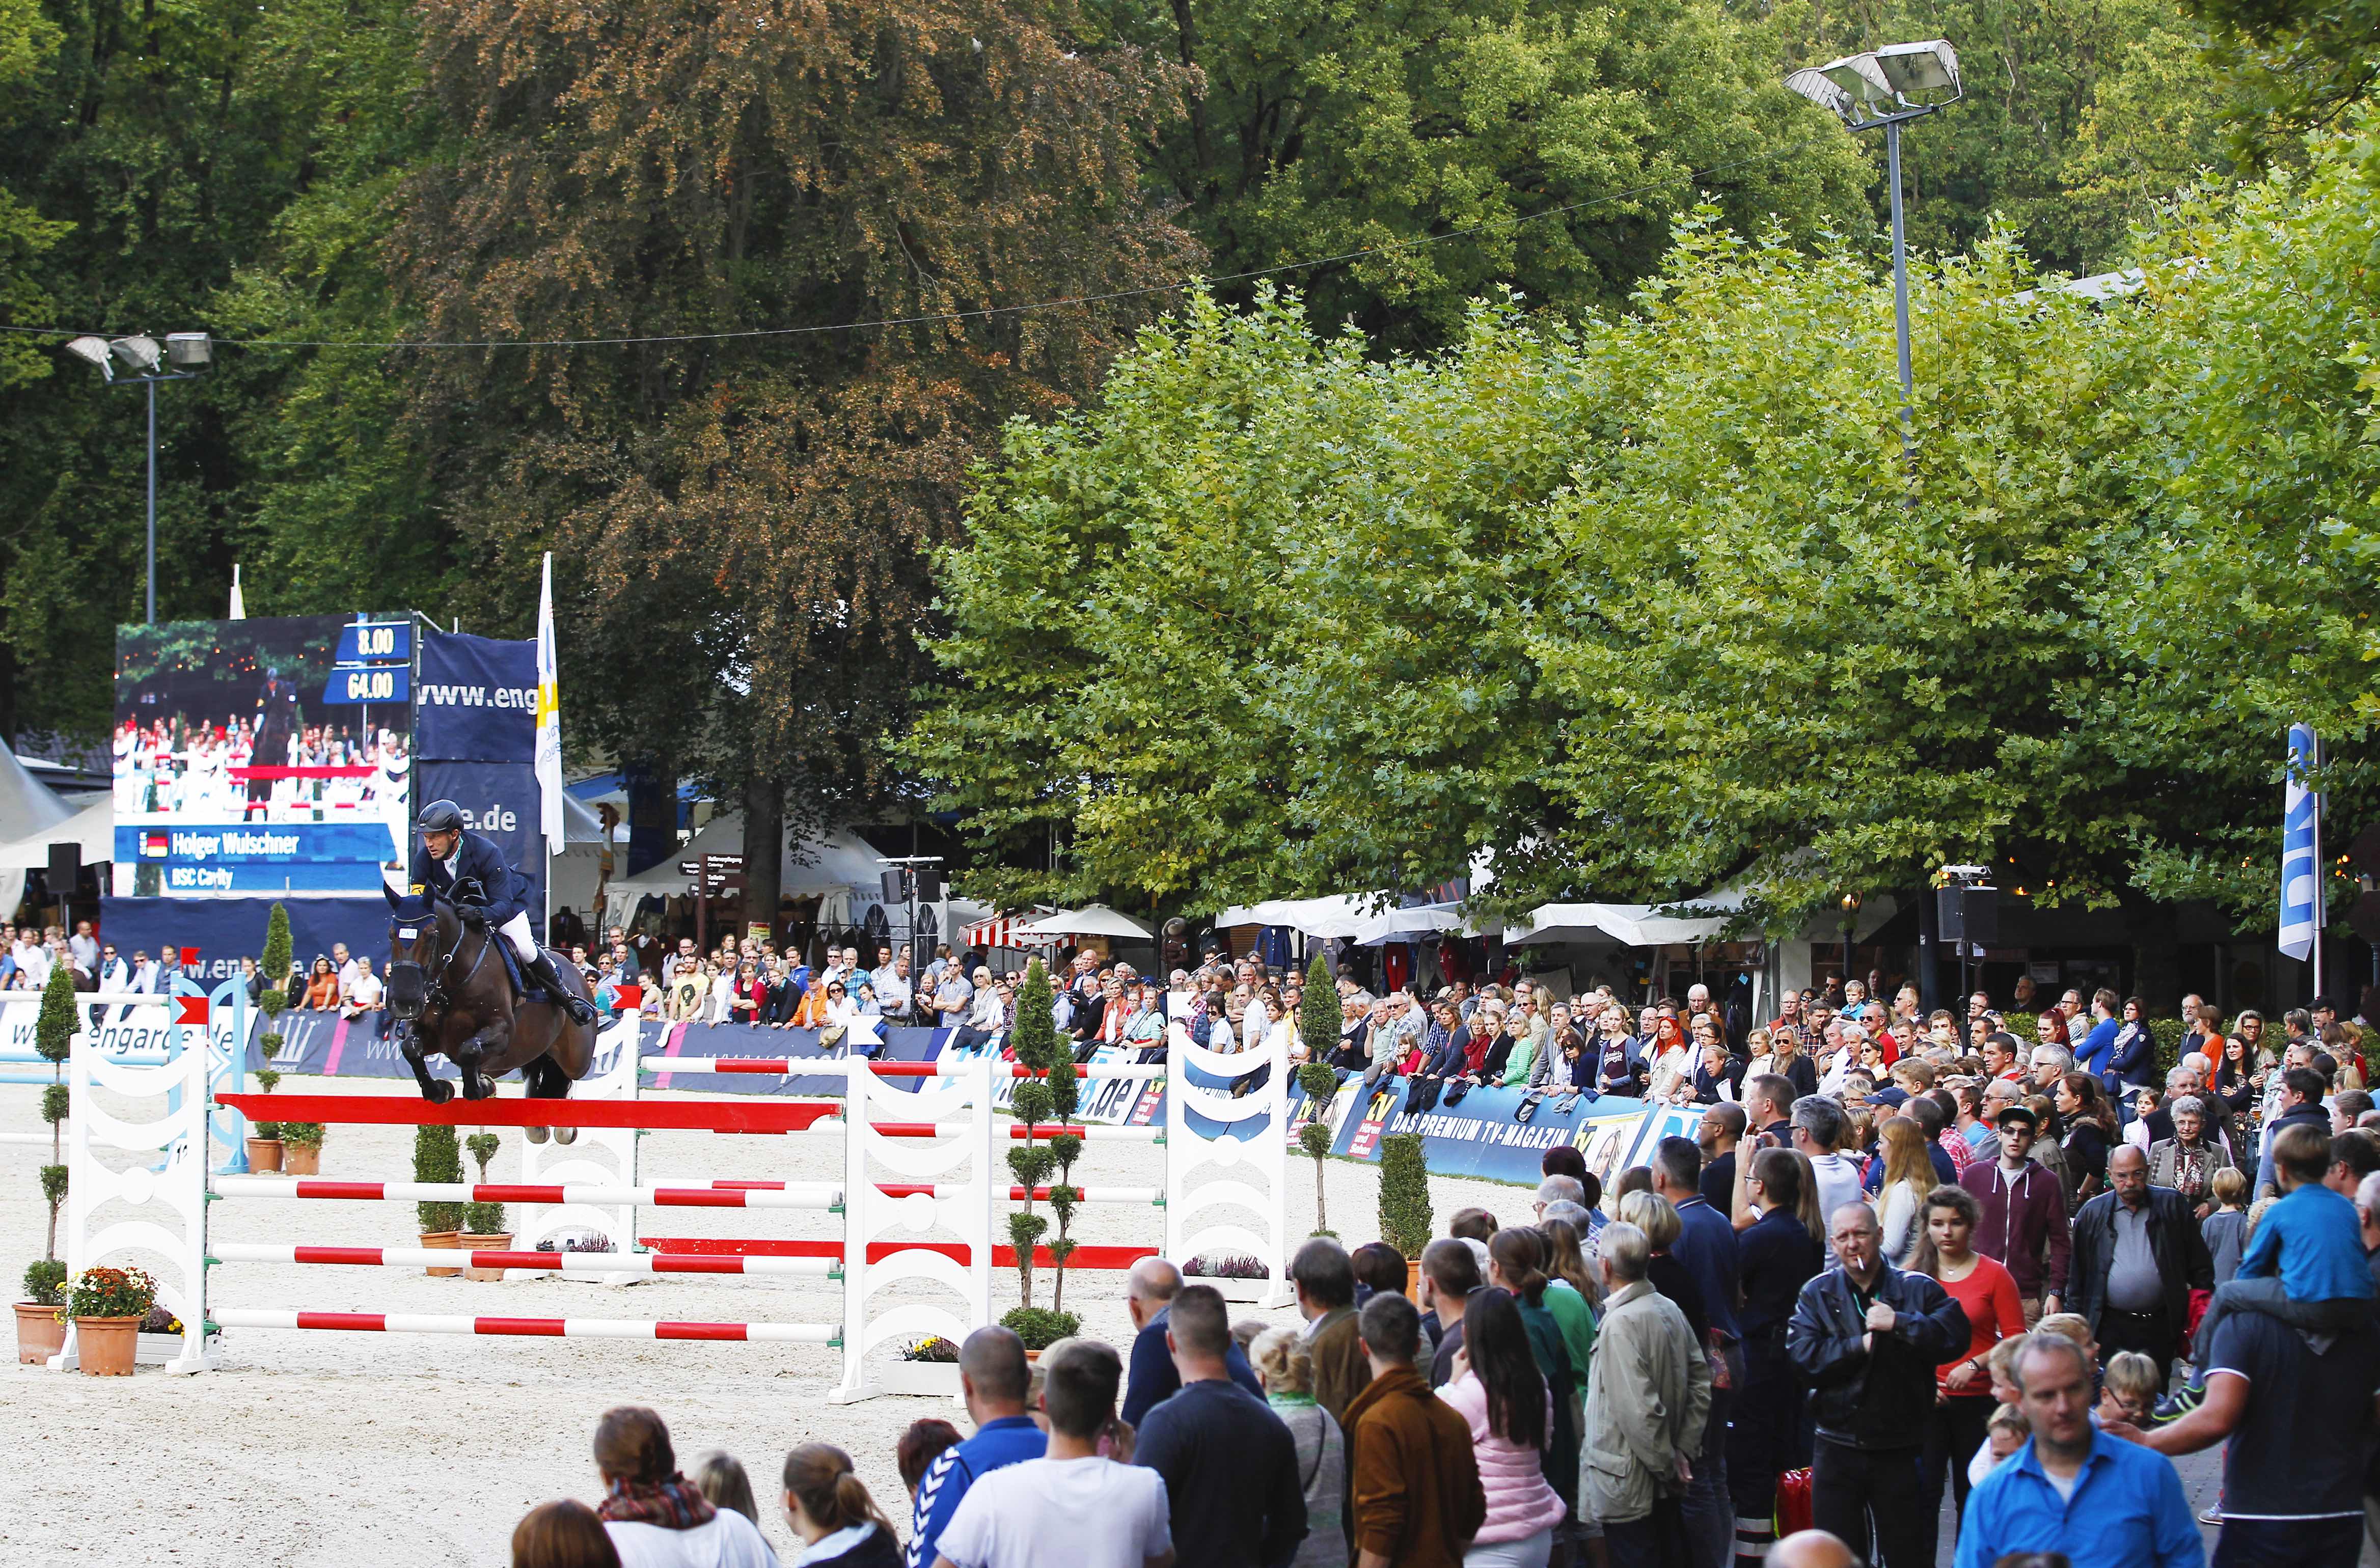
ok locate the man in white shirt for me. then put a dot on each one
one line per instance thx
(345, 965)
(84, 945)
(32, 958)
(1070, 1506)
(144, 973)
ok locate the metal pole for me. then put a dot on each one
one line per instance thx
(1899, 289)
(153, 502)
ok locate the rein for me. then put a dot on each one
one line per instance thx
(435, 999)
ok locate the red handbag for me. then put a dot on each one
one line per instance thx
(1792, 1502)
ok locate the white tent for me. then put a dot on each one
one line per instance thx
(1354, 917)
(28, 808)
(1628, 925)
(1092, 920)
(93, 829)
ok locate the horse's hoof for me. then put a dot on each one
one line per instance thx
(565, 1135)
(439, 1092)
(534, 1134)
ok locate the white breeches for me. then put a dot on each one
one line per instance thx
(515, 930)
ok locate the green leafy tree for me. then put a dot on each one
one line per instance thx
(1545, 147)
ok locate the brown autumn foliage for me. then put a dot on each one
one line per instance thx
(780, 168)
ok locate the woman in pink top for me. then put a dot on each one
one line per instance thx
(1497, 1389)
(1985, 1291)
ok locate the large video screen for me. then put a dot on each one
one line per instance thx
(244, 764)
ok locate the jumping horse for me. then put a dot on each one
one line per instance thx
(449, 993)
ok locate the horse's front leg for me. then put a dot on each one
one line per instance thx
(437, 1091)
(488, 1041)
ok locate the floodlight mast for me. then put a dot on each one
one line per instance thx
(1887, 88)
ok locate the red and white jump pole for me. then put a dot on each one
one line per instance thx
(531, 1328)
(819, 1268)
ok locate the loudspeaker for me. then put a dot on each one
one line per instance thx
(894, 893)
(929, 886)
(66, 868)
(1969, 914)
(1982, 915)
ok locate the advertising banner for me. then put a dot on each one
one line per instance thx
(231, 774)
(475, 700)
(330, 1046)
(1112, 1103)
(500, 800)
(1479, 1136)
(225, 929)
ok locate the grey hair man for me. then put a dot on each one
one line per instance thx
(1559, 1189)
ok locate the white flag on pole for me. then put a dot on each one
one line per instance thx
(2300, 857)
(238, 605)
(548, 718)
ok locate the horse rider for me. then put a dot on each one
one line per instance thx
(468, 871)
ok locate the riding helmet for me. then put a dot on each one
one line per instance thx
(441, 817)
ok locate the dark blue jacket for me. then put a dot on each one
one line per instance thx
(479, 875)
(1151, 1377)
(2133, 1060)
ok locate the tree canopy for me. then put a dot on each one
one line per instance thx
(1650, 602)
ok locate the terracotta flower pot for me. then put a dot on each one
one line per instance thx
(1412, 1279)
(107, 1346)
(449, 1240)
(40, 1335)
(470, 1243)
(300, 1160)
(264, 1155)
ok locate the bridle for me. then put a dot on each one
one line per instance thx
(434, 997)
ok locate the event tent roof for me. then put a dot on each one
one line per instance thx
(27, 805)
(1092, 920)
(1629, 925)
(1351, 917)
(92, 828)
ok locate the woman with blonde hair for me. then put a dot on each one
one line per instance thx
(1909, 1175)
(1284, 1365)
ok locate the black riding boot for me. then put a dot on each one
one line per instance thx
(541, 973)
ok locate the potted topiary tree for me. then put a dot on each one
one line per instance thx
(267, 1143)
(437, 1157)
(39, 1334)
(483, 1224)
(1405, 1220)
(1317, 1031)
(107, 1306)
(1035, 1043)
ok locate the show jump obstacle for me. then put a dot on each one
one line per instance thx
(915, 1163)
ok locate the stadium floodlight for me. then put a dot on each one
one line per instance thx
(187, 354)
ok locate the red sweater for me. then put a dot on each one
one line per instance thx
(1987, 1295)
